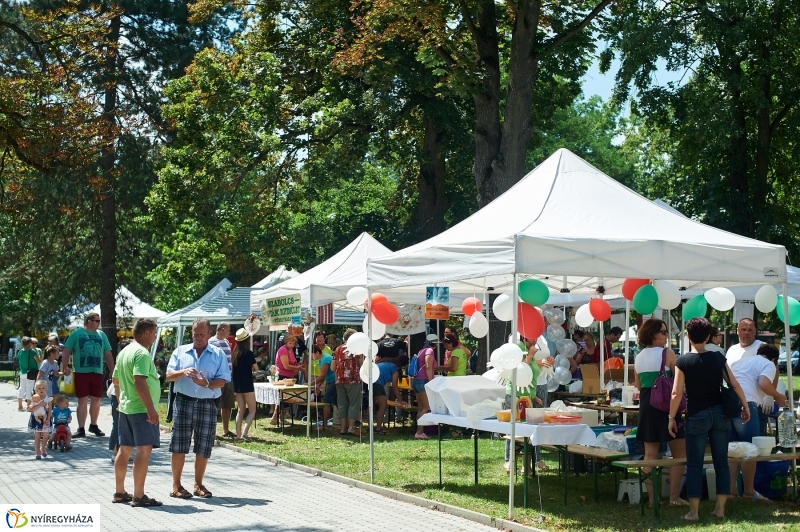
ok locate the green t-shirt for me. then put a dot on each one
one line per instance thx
(88, 349)
(315, 369)
(131, 361)
(461, 371)
(26, 360)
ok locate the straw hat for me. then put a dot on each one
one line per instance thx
(241, 335)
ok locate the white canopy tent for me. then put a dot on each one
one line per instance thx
(129, 309)
(576, 229)
(328, 282)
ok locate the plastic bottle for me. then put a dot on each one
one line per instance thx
(787, 430)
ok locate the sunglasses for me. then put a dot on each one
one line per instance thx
(98, 321)
(663, 331)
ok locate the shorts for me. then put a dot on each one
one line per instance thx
(228, 398)
(136, 431)
(25, 387)
(193, 418)
(419, 385)
(330, 396)
(378, 390)
(88, 384)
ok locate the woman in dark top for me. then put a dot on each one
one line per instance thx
(243, 363)
(702, 373)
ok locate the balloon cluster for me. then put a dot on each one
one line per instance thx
(596, 309)
(530, 322)
(478, 324)
(559, 374)
(383, 312)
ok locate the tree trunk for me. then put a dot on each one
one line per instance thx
(108, 243)
(433, 203)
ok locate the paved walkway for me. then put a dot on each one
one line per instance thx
(249, 494)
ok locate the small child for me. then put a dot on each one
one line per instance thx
(62, 415)
(39, 423)
(50, 369)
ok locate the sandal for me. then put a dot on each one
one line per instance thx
(122, 497)
(144, 501)
(202, 492)
(679, 502)
(456, 434)
(181, 493)
(229, 434)
(756, 496)
(382, 431)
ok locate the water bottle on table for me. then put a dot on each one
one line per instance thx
(787, 430)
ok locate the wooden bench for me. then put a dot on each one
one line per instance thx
(658, 466)
(406, 408)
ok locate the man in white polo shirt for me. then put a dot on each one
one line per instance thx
(747, 346)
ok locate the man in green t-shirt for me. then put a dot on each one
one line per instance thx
(138, 390)
(29, 359)
(90, 347)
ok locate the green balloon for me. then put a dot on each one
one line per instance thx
(695, 308)
(645, 300)
(533, 292)
(794, 310)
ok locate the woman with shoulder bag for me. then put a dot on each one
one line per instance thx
(702, 373)
(653, 423)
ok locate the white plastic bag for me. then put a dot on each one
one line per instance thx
(483, 410)
(558, 406)
(576, 387)
(742, 449)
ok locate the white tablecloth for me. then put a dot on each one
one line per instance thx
(539, 434)
(267, 394)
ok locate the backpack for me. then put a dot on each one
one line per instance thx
(413, 366)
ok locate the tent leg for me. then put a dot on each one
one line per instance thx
(789, 388)
(627, 352)
(513, 470)
(370, 399)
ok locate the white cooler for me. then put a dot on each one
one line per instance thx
(452, 395)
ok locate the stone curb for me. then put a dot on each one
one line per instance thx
(501, 524)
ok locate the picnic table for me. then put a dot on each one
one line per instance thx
(659, 464)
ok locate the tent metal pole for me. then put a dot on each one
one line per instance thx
(513, 469)
(154, 347)
(789, 387)
(627, 351)
(370, 390)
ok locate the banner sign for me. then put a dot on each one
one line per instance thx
(437, 302)
(281, 310)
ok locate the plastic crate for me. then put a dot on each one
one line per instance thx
(599, 429)
(637, 447)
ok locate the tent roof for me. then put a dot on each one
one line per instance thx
(186, 315)
(573, 227)
(328, 282)
(232, 306)
(128, 307)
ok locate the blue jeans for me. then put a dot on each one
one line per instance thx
(707, 425)
(746, 431)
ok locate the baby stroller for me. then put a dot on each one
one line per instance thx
(61, 437)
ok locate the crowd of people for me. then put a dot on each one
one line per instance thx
(749, 368)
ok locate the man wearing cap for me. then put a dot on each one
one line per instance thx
(199, 371)
(90, 347)
(227, 397)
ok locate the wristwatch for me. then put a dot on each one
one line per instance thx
(207, 383)
(670, 417)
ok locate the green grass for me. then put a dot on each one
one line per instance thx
(405, 464)
(795, 384)
(7, 375)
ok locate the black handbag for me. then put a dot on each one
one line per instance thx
(32, 374)
(730, 401)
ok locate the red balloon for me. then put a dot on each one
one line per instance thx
(530, 322)
(599, 309)
(471, 305)
(630, 286)
(385, 312)
(378, 298)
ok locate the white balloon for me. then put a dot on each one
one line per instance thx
(374, 349)
(552, 382)
(502, 308)
(542, 378)
(364, 371)
(507, 356)
(562, 362)
(478, 325)
(567, 347)
(357, 296)
(358, 343)
(556, 332)
(669, 297)
(377, 330)
(720, 298)
(583, 316)
(563, 376)
(544, 349)
(553, 316)
(524, 376)
(766, 298)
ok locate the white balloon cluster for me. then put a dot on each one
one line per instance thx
(507, 356)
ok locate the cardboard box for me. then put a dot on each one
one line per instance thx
(619, 374)
(590, 375)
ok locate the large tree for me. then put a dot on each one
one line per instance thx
(723, 137)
